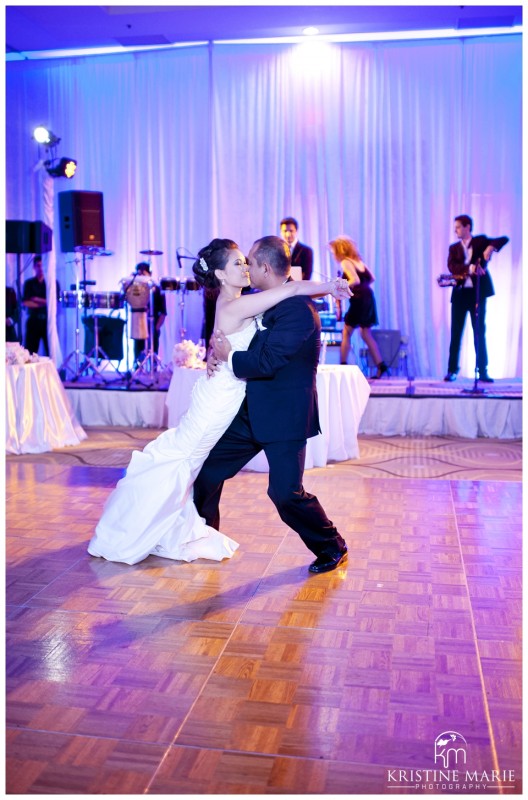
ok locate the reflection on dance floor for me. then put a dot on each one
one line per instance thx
(252, 676)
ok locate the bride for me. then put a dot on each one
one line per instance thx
(151, 510)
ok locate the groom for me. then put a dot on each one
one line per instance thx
(279, 412)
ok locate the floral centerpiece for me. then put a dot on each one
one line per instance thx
(188, 354)
(18, 355)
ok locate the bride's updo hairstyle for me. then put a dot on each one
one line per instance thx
(213, 256)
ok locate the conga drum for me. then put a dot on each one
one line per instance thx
(170, 285)
(72, 299)
(112, 300)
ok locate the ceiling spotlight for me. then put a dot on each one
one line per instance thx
(311, 31)
(44, 136)
(63, 168)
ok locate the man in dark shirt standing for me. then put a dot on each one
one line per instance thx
(34, 299)
(301, 254)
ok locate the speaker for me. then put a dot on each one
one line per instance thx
(27, 237)
(81, 220)
(109, 335)
(18, 236)
(41, 238)
(389, 343)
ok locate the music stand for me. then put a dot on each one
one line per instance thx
(475, 389)
(450, 280)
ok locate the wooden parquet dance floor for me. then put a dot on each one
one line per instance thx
(252, 676)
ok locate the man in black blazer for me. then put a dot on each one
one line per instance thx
(467, 261)
(279, 412)
(301, 254)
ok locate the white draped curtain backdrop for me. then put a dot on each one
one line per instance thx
(384, 142)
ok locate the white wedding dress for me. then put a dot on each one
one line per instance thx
(151, 510)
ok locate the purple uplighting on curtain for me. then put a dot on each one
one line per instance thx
(384, 142)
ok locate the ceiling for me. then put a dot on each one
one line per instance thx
(39, 27)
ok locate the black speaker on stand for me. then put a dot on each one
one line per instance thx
(41, 238)
(81, 220)
(18, 236)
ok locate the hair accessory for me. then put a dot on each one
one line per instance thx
(203, 264)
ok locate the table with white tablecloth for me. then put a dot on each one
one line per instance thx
(39, 416)
(343, 394)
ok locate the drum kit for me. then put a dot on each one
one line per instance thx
(136, 296)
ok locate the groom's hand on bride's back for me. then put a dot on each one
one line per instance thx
(219, 349)
(221, 346)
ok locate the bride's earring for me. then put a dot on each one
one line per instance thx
(222, 282)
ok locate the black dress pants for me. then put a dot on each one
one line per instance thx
(297, 508)
(463, 302)
(36, 330)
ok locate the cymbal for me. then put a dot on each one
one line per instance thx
(89, 250)
(106, 253)
(151, 252)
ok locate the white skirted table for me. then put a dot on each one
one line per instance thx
(343, 394)
(39, 416)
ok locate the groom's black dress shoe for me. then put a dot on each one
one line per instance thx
(325, 563)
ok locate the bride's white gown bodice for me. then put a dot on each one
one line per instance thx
(151, 510)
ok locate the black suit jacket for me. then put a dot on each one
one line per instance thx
(302, 256)
(457, 267)
(280, 367)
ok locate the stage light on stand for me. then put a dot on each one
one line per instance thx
(65, 168)
(43, 135)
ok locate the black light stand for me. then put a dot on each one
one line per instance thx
(75, 354)
(19, 293)
(475, 389)
(96, 354)
(80, 289)
(19, 297)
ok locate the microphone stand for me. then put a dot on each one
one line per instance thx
(475, 389)
(183, 290)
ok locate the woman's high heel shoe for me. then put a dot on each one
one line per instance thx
(382, 369)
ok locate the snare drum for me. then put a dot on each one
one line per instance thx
(104, 300)
(191, 285)
(170, 284)
(72, 299)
